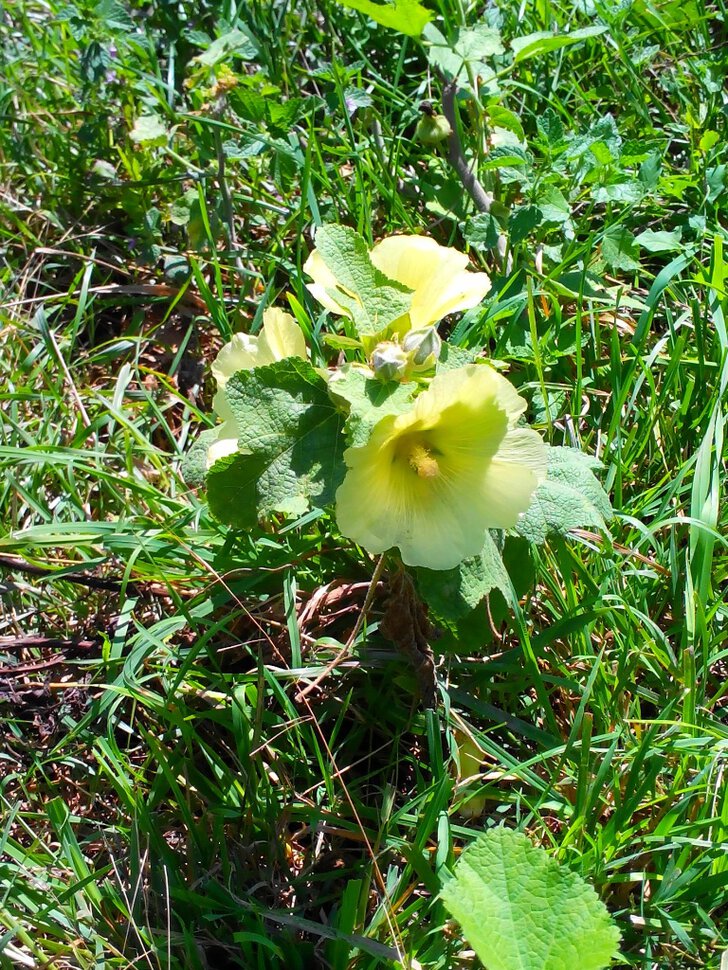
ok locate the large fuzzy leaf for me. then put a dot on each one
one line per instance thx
(520, 910)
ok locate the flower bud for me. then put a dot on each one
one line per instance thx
(432, 129)
(389, 362)
(423, 347)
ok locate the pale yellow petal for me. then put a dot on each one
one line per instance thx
(472, 397)
(221, 407)
(437, 275)
(226, 444)
(433, 480)
(524, 446)
(281, 336)
(242, 352)
(324, 283)
(513, 476)
(413, 259)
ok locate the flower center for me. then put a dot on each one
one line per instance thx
(422, 461)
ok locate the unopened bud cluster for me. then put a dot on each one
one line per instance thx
(418, 352)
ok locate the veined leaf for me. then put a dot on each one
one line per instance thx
(570, 498)
(453, 593)
(519, 909)
(543, 41)
(407, 16)
(371, 299)
(370, 400)
(289, 435)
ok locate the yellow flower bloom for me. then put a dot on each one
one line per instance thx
(433, 480)
(437, 275)
(280, 337)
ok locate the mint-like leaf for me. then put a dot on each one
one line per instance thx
(570, 498)
(452, 358)
(289, 435)
(619, 249)
(371, 299)
(520, 910)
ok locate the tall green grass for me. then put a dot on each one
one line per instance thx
(165, 800)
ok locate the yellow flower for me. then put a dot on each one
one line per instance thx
(437, 275)
(279, 337)
(433, 480)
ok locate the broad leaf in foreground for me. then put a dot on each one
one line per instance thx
(520, 910)
(194, 462)
(290, 441)
(571, 497)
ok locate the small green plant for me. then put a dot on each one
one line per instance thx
(519, 909)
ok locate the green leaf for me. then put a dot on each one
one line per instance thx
(372, 300)
(542, 42)
(235, 43)
(149, 130)
(407, 16)
(114, 15)
(248, 103)
(232, 492)
(501, 117)
(453, 593)
(504, 155)
(477, 43)
(553, 205)
(716, 181)
(452, 358)
(629, 192)
(519, 909)
(289, 435)
(551, 127)
(619, 249)
(570, 498)
(482, 231)
(370, 400)
(661, 241)
(523, 221)
(441, 54)
(194, 462)
(649, 174)
(599, 146)
(468, 52)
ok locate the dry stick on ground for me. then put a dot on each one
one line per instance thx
(34, 641)
(81, 579)
(482, 199)
(132, 588)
